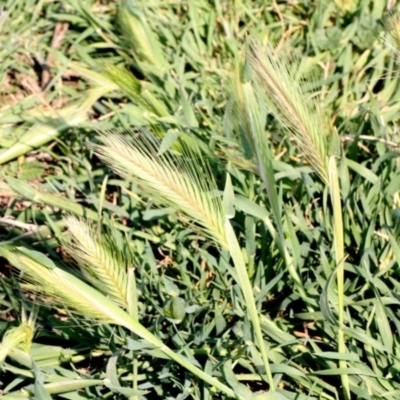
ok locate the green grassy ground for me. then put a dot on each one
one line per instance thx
(71, 69)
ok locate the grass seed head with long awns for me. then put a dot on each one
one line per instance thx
(176, 181)
(248, 122)
(62, 287)
(391, 22)
(17, 337)
(244, 116)
(102, 258)
(284, 98)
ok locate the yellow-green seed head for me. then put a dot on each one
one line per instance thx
(392, 26)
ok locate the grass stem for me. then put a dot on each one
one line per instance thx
(339, 256)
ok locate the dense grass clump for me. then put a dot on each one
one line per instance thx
(200, 200)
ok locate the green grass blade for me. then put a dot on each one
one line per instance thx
(340, 258)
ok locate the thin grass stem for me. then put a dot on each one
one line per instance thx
(339, 256)
(247, 290)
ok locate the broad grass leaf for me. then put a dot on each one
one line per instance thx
(393, 187)
(331, 355)
(270, 396)
(188, 111)
(364, 338)
(345, 371)
(40, 392)
(111, 369)
(125, 391)
(286, 369)
(251, 208)
(171, 288)
(276, 333)
(168, 141)
(72, 385)
(136, 345)
(382, 322)
(231, 378)
(174, 310)
(112, 378)
(395, 247)
(362, 171)
(324, 299)
(157, 213)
